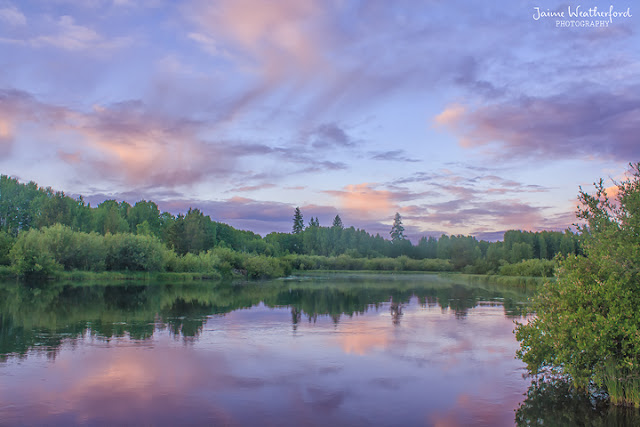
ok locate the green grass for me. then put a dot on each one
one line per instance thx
(483, 279)
(525, 281)
(622, 390)
(141, 276)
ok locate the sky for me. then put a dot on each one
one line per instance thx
(465, 117)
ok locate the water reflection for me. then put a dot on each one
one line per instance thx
(414, 350)
(44, 316)
(556, 403)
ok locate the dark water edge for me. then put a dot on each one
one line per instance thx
(556, 403)
(357, 349)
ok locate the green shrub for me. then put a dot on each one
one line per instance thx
(588, 320)
(131, 252)
(30, 256)
(529, 267)
(262, 267)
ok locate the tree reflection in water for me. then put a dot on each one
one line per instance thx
(41, 317)
(554, 402)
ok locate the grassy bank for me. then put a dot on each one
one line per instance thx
(209, 274)
(526, 281)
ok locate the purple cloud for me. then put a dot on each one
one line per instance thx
(569, 125)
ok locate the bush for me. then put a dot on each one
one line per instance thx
(30, 256)
(530, 268)
(262, 267)
(130, 252)
(588, 321)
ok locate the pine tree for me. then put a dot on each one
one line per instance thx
(397, 230)
(337, 222)
(298, 224)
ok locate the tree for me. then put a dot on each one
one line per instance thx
(298, 224)
(108, 218)
(144, 212)
(337, 222)
(193, 232)
(588, 320)
(314, 222)
(397, 230)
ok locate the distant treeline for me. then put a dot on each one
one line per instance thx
(42, 231)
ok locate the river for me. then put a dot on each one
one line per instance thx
(330, 349)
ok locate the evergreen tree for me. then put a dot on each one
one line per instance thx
(337, 222)
(397, 230)
(298, 224)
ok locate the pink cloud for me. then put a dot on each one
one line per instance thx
(273, 38)
(6, 136)
(364, 200)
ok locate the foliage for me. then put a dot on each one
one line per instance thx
(31, 258)
(298, 223)
(6, 242)
(530, 268)
(337, 222)
(588, 321)
(397, 230)
(26, 206)
(131, 252)
(108, 218)
(554, 402)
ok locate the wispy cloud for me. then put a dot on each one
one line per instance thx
(131, 142)
(248, 188)
(393, 155)
(272, 39)
(64, 33)
(577, 124)
(10, 15)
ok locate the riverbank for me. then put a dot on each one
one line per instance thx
(6, 273)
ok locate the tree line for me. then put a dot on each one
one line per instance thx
(44, 230)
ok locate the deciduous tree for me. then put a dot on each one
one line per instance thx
(588, 320)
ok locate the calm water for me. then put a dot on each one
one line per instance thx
(332, 350)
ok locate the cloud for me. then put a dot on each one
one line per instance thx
(451, 115)
(480, 202)
(17, 107)
(365, 200)
(12, 16)
(250, 188)
(261, 217)
(393, 155)
(131, 143)
(66, 34)
(6, 137)
(579, 124)
(274, 39)
(328, 135)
